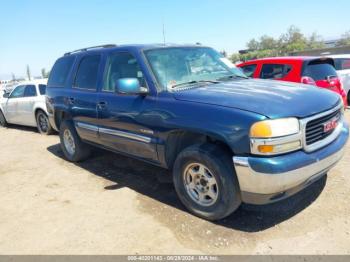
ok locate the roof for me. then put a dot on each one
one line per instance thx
(288, 58)
(130, 46)
(339, 56)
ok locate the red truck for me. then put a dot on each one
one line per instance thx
(318, 71)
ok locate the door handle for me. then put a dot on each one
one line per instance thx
(101, 105)
(71, 100)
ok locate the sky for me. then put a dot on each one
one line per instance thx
(38, 32)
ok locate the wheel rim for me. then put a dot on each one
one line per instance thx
(43, 123)
(200, 184)
(69, 142)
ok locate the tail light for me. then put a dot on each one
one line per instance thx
(308, 80)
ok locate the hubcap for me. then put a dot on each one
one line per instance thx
(69, 142)
(43, 125)
(200, 184)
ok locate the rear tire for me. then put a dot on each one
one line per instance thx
(206, 182)
(43, 123)
(73, 148)
(3, 122)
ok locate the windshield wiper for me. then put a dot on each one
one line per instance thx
(196, 82)
(232, 77)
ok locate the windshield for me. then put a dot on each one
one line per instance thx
(319, 71)
(174, 67)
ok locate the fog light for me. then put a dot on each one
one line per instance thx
(282, 148)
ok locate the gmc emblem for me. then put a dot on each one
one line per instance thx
(330, 125)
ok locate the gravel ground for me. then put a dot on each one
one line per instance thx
(114, 205)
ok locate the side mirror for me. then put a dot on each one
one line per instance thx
(6, 95)
(130, 86)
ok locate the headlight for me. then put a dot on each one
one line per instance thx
(278, 136)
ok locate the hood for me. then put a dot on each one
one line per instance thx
(273, 99)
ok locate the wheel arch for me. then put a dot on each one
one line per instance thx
(60, 116)
(178, 140)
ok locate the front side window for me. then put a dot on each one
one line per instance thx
(60, 71)
(86, 77)
(274, 71)
(18, 92)
(29, 91)
(174, 66)
(42, 89)
(249, 70)
(122, 65)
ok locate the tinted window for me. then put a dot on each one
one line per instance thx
(342, 63)
(319, 71)
(248, 70)
(86, 77)
(274, 71)
(30, 90)
(18, 92)
(42, 89)
(122, 65)
(60, 71)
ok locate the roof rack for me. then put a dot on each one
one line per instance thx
(90, 48)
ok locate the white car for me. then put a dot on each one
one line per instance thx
(26, 105)
(342, 65)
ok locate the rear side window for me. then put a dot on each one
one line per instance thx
(274, 71)
(319, 71)
(86, 77)
(29, 91)
(342, 63)
(42, 89)
(60, 71)
(249, 70)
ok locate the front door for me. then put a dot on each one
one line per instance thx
(11, 108)
(124, 120)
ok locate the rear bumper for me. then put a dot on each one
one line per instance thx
(264, 180)
(52, 121)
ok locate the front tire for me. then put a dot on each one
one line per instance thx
(73, 148)
(3, 122)
(205, 181)
(43, 123)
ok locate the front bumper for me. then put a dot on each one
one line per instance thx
(264, 180)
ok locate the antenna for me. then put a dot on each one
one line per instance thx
(163, 31)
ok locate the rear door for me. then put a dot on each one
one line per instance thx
(83, 96)
(26, 106)
(275, 71)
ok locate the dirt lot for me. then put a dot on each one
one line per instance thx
(114, 205)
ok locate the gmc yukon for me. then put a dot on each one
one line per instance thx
(226, 138)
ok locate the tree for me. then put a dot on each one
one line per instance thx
(315, 41)
(43, 73)
(224, 53)
(267, 42)
(345, 39)
(13, 77)
(292, 41)
(28, 73)
(253, 45)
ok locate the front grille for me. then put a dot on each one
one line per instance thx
(315, 128)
